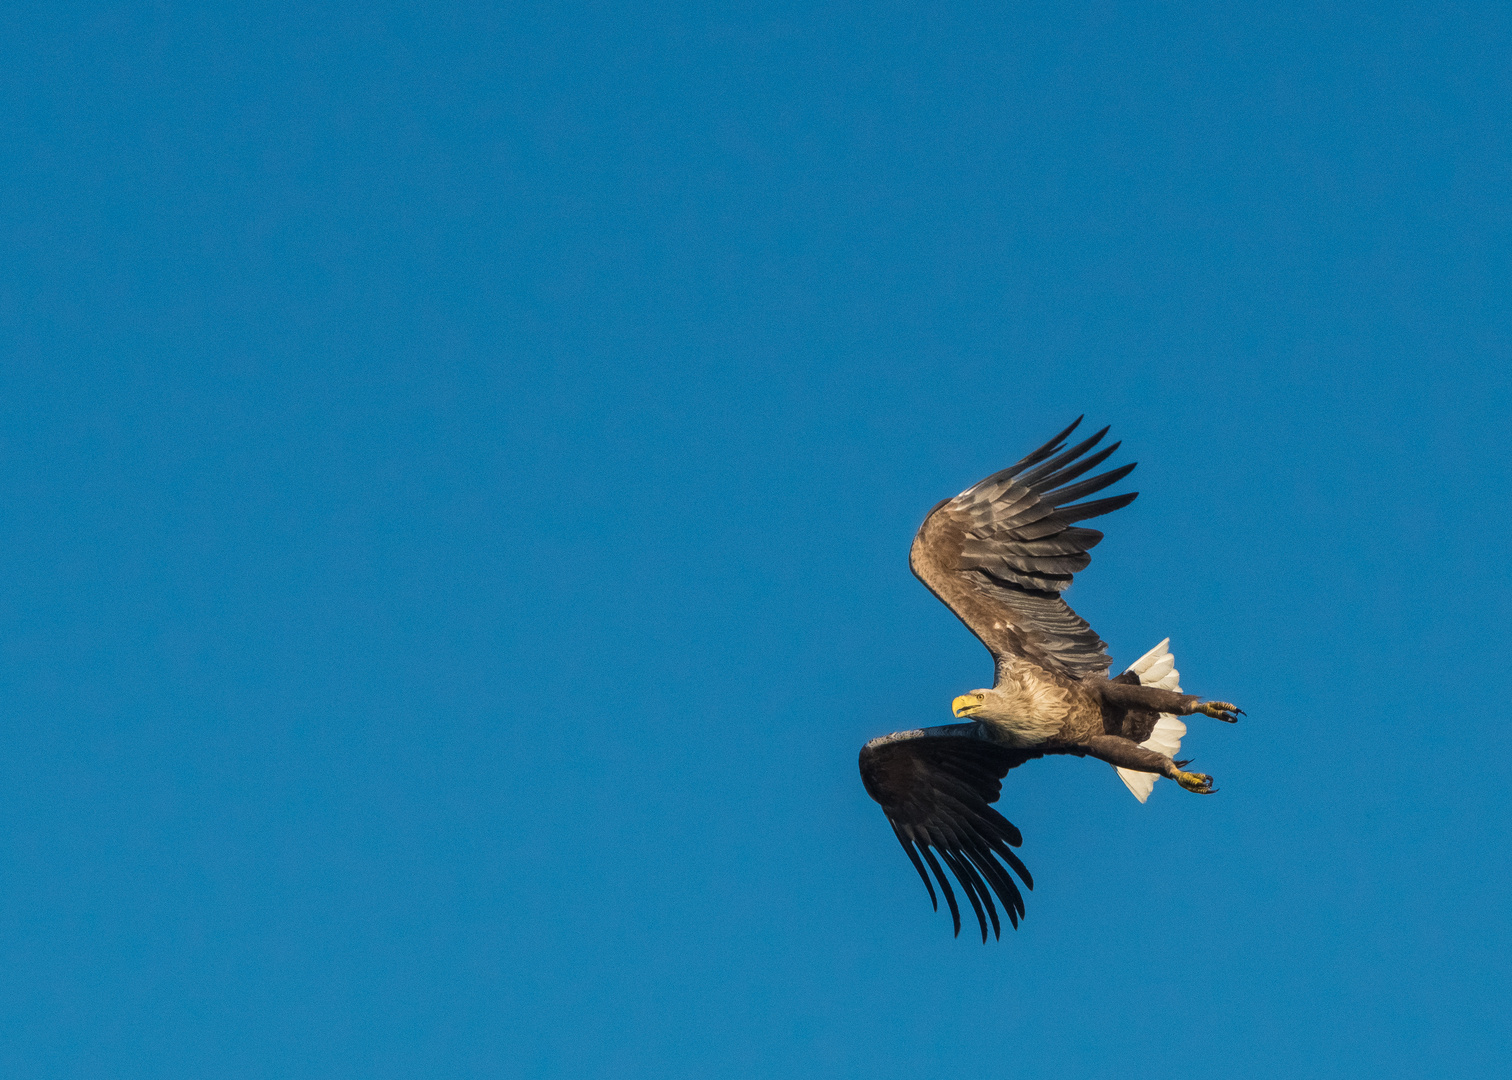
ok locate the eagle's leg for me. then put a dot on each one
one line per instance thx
(1127, 754)
(1127, 695)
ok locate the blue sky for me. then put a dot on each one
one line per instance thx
(458, 468)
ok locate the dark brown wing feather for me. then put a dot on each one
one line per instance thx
(1000, 553)
(934, 785)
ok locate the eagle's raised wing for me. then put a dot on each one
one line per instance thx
(934, 785)
(1000, 553)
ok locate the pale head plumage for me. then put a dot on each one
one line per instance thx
(1015, 713)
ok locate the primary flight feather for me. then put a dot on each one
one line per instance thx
(999, 555)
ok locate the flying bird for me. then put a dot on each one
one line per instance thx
(999, 555)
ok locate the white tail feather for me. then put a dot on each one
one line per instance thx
(1156, 668)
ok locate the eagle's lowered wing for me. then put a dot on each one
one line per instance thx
(934, 785)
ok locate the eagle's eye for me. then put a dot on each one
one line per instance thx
(980, 697)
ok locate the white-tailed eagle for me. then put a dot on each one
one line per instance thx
(999, 555)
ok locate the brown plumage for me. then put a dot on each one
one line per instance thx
(999, 555)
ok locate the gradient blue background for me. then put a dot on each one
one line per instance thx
(457, 469)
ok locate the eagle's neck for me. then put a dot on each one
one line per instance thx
(1024, 708)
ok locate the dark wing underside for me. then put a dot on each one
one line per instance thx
(934, 785)
(1000, 553)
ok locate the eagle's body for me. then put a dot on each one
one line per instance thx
(999, 555)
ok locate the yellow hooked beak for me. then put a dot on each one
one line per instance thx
(966, 704)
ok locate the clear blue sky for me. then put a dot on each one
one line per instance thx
(456, 475)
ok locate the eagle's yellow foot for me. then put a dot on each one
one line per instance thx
(1221, 710)
(1201, 783)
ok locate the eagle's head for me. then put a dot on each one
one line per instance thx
(970, 703)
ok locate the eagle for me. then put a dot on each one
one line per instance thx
(999, 555)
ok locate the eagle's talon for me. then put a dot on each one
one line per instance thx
(1201, 783)
(1221, 710)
